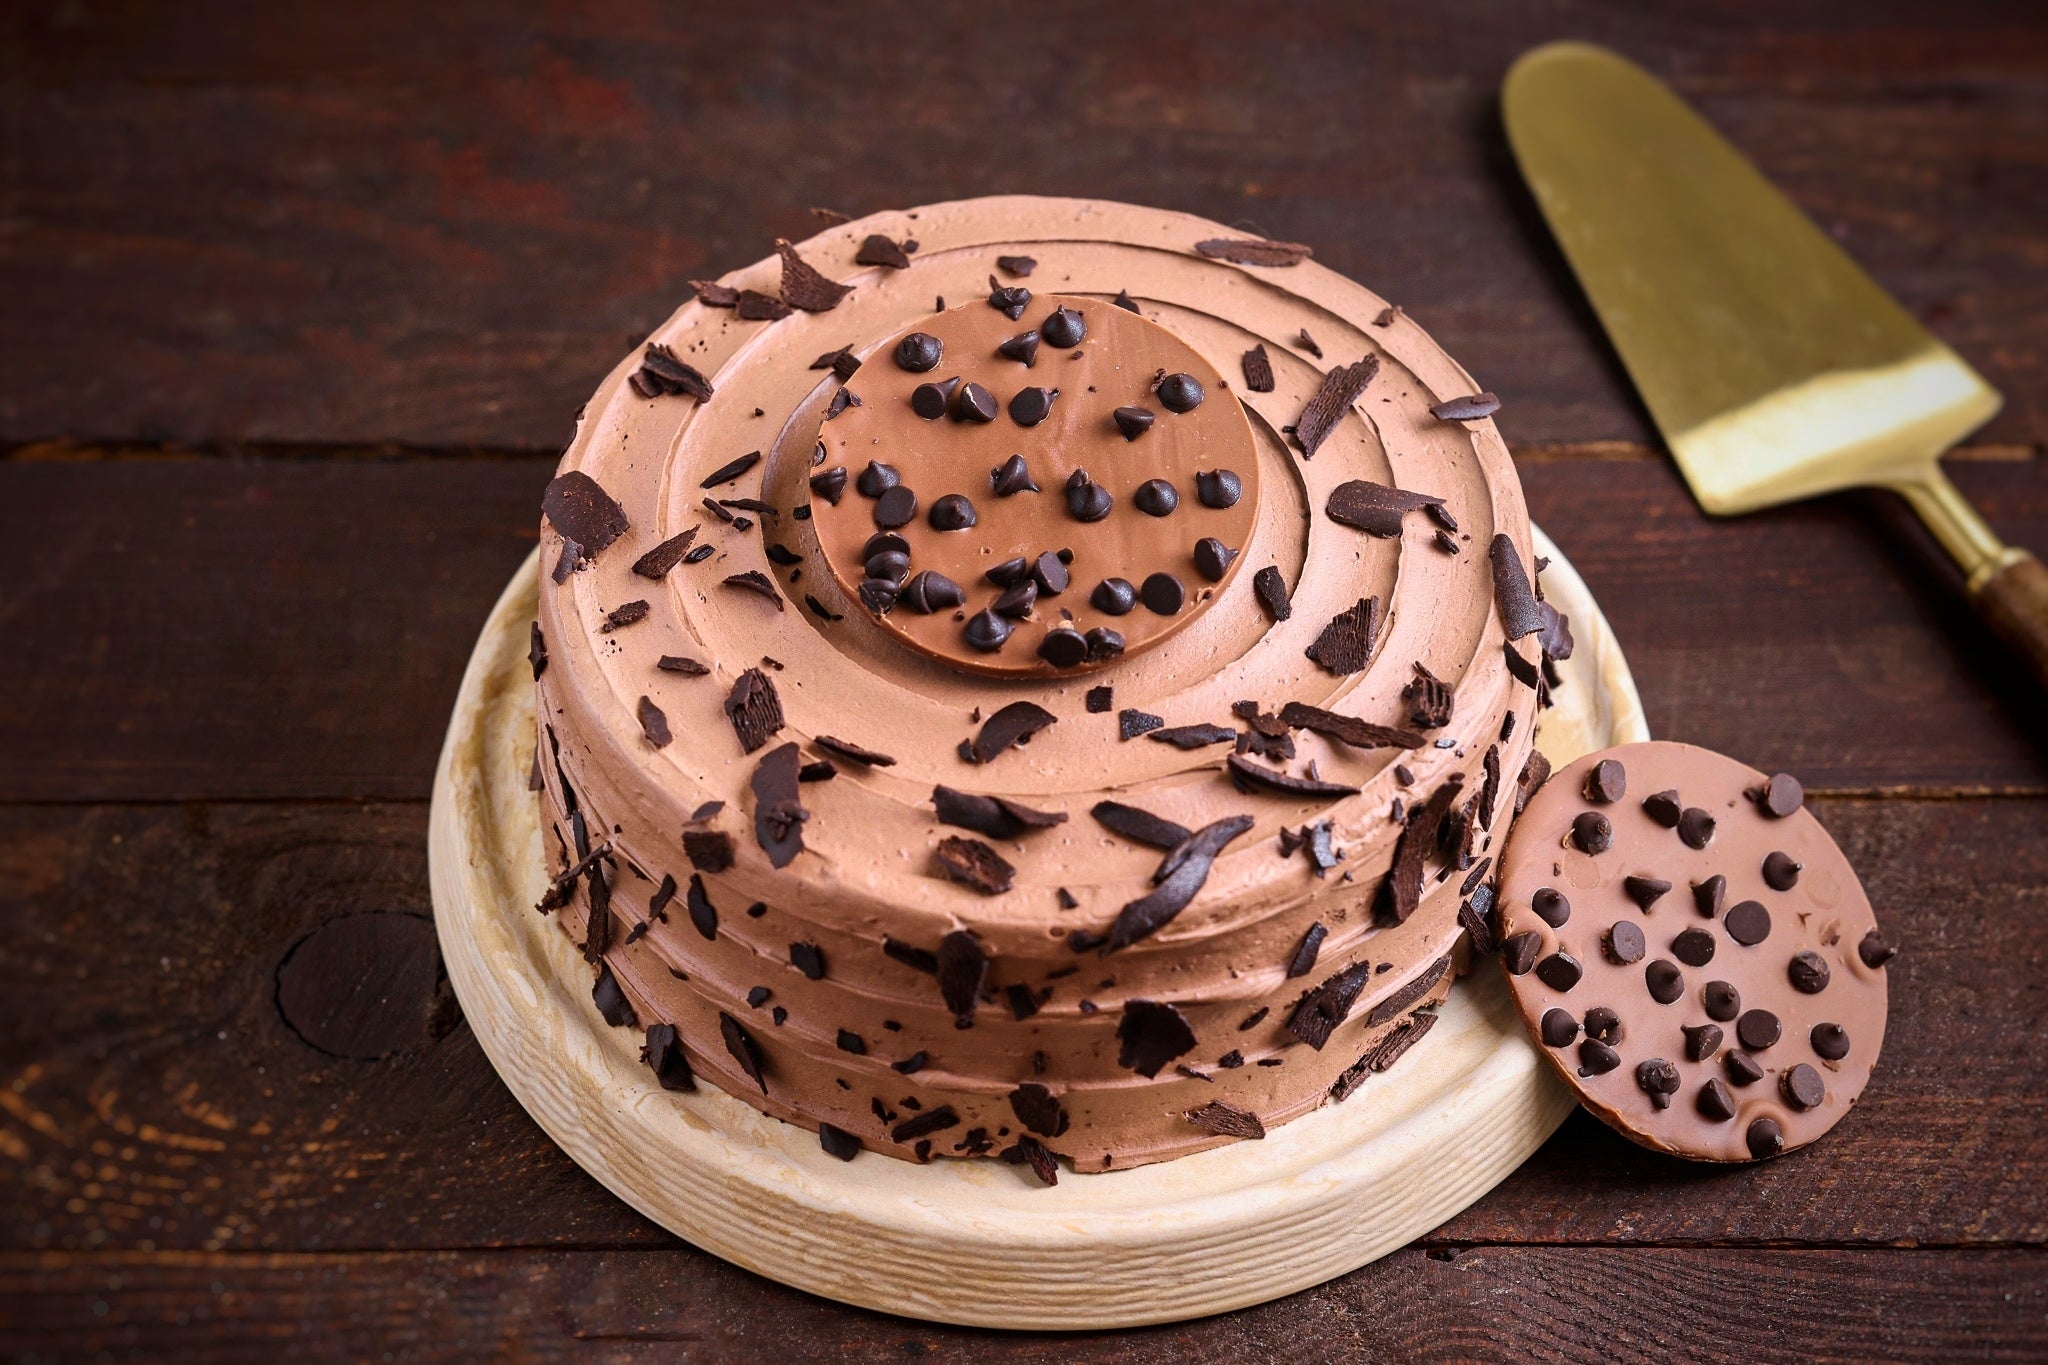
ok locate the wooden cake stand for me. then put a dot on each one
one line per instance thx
(977, 1242)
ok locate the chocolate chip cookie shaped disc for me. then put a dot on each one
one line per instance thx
(1692, 952)
(1024, 679)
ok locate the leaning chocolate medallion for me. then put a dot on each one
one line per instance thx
(986, 728)
(1055, 473)
(1723, 958)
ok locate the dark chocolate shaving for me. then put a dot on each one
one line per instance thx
(753, 708)
(712, 294)
(1396, 1005)
(1152, 1033)
(1412, 850)
(663, 1053)
(1038, 1109)
(744, 1049)
(1467, 409)
(962, 967)
(1374, 508)
(1253, 251)
(658, 561)
(1258, 370)
(1226, 1121)
(973, 864)
(583, 512)
(996, 816)
(1429, 699)
(1340, 389)
(911, 956)
(663, 372)
(1179, 879)
(1304, 960)
(803, 287)
(537, 656)
(755, 306)
(631, 613)
(1519, 615)
(709, 850)
(925, 1124)
(703, 914)
(676, 663)
(611, 1001)
(754, 581)
(1014, 724)
(809, 959)
(779, 814)
(879, 250)
(1328, 1005)
(1345, 646)
(842, 748)
(1140, 826)
(731, 470)
(654, 724)
(1194, 736)
(1253, 777)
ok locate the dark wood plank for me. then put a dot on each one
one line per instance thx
(161, 1099)
(1498, 1304)
(357, 223)
(226, 629)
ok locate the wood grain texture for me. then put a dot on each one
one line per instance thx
(233, 629)
(154, 1098)
(1494, 1304)
(361, 223)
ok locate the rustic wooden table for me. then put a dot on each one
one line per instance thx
(298, 303)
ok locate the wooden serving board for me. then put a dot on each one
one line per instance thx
(977, 1242)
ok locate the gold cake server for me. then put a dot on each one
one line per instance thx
(1774, 366)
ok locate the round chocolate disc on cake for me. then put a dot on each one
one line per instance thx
(1717, 937)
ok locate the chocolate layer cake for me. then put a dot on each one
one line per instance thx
(1033, 678)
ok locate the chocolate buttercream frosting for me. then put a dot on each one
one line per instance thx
(919, 952)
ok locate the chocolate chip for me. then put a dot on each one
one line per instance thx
(986, 631)
(1765, 1138)
(1212, 558)
(1663, 807)
(1152, 1033)
(1603, 1023)
(1133, 422)
(1271, 590)
(1063, 327)
(1596, 1058)
(1113, 597)
(1339, 390)
(1694, 947)
(1645, 891)
(1748, 923)
(1721, 1000)
(1874, 951)
(1124, 301)
(1709, 896)
(1466, 409)
(1803, 1087)
(930, 591)
(896, 507)
(930, 401)
(1715, 1102)
(1156, 498)
(1032, 406)
(1087, 500)
(953, 512)
(1664, 981)
(1016, 600)
(1558, 1028)
(1780, 795)
(973, 403)
(1181, 393)
(1830, 1042)
(1560, 971)
(1009, 573)
(1552, 906)
(1022, 347)
(1658, 1079)
(893, 565)
(1624, 943)
(1606, 782)
(1592, 832)
(875, 480)
(1742, 1069)
(1010, 302)
(1063, 647)
(1518, 952)
(1702, 1041)
(1758, 1029)
(1373, 508)
(1781, 872)
(962, 967)
(1163, 594)
(1049, 571)
(1695, 827)
(1011, 477)
(919, 352)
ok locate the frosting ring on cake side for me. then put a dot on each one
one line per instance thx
(847, 1027)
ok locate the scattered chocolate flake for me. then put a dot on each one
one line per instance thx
(1308, 343)
(1253, 251)
(849, 1041)
(709, 850)
(1152, 1033)
(830, 359)
(676, 663)
(1271, 590)
(1131, 723)
(1474, 915)
(1020, 266)
(743, 1048)
(708, 811)
(1519, 615)
(700, 554)
(879, 250)
(1467, 409)
(1328, 1005)
(1140, 826)
(779, 814)
(654, 724)
(803, 287)
(1304, 960)
(537, 655)
(1375, 508)
(663, 1053)
(915, 958)
(1523, 670)
(1345, 645)
(962, 967)
(1388, 315)
(1429, 700)
(1258, 369)
(1322, 854)
(1178, 880)
(619, 617)
(1066, 899)
(1534, 774)
(974, 864)
(1100, 699)
(1038, 1109)
(754, 306)
(1225, 1121)
(1014, 724)
(663, 372)
(996, 816)
(712, 294)
(611, 1001)
(715, 510)
(838, 1142)
(730, 471)
(658, 561)
(1396, 1005)
(568, 562)
(753, 708)
(910, 1065)
(1251, 777)
(583, 512)
(703, 914)
(1031, 1152)
(1194, 736)
(1340, 389)
(1411, 851)
(820, 610)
